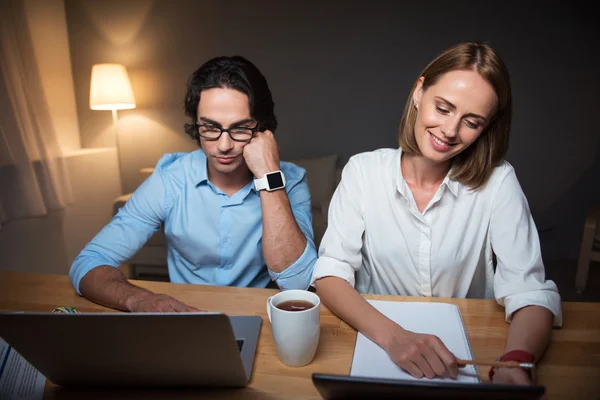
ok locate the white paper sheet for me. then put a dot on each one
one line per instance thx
(18, 378)
(440, 319)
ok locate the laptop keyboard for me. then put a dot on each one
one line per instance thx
(240, 343)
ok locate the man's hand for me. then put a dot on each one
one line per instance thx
(152, 302)
(421, 355)
(262, 154)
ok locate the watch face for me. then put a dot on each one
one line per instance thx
(275, 181)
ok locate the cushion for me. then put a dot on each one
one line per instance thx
(320, 176)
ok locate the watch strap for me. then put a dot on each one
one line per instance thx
(515, 355)
(261, 183)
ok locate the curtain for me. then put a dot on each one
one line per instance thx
(33, 173)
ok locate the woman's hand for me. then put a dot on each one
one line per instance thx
(511, 376)
(421, 354)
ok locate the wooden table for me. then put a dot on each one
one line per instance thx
(569, 369)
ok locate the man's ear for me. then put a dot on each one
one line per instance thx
(418, 93)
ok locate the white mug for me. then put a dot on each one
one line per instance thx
(296, 333)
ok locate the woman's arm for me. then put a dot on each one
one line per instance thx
(418, 354)
(532, 303)
(340, 258)
(530, 331)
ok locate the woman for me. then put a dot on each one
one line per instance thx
(429, 218)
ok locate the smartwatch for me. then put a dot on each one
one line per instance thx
(271, 181)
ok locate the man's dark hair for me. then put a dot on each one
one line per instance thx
(232, 73)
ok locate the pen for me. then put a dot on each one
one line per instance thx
(497, 364)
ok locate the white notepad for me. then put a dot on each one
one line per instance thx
(18, 378)
(440, 319)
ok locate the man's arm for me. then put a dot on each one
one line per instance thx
(108, 286)
(95, 273)
(283, 242)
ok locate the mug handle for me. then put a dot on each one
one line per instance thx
(269, 307)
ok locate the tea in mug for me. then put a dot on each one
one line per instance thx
(295, 305)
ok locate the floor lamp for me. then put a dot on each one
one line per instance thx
(110, 89)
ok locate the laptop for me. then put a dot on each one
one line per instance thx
(136, 349)
(353, 387)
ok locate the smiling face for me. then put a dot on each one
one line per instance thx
(452, 113)
(224, 108)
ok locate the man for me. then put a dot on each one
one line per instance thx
(227, 209)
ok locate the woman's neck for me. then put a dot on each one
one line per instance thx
(419, 171)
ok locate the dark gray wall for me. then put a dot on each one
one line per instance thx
(340, 72)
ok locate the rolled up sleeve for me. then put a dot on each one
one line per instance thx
(340, 250)
(297, 275)
(128, 230)
(519, 280)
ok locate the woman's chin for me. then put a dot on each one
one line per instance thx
(438, 157)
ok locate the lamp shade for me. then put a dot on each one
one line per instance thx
(110, 88)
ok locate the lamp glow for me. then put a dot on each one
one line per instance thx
(111, 88)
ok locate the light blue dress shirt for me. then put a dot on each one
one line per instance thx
(211, 238)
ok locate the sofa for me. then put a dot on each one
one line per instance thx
(323, 175)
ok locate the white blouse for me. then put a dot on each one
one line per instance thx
(380, 242)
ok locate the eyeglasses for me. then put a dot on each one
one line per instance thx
(237, 134)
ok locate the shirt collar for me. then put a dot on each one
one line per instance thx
(451, 184)
(400, 182)
(200, 172)
(402, 186)
(252, 187)
(199, 168)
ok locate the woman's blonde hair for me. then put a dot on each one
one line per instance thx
(475, 164)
